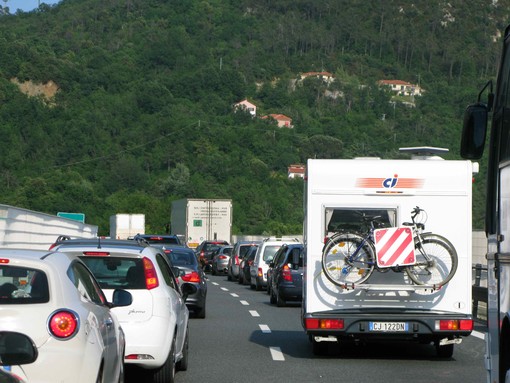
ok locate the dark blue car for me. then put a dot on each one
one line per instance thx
(285, 279)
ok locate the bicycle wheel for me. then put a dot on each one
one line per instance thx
(436, 261)
(345, 261)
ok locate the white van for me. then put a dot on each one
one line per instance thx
(388, 305)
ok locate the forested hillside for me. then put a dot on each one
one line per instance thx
(143, 113)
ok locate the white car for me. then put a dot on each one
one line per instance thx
(156, 323)
(55, 300)
(265, 254)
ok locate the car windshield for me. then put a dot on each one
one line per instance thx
(182, 258)
(117, 272)
(270, 251)
(21, 285)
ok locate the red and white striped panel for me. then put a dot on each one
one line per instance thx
(394, 246)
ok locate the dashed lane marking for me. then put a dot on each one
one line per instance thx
(234, 295)
(254, 313)
(224, 288)
(479, 335)
(215, 283)
(276, 354)
(245, 303)
(265, 328)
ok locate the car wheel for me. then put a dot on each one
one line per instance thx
(240, 279)
(268, 289)
(229, 275)
(280, 302)
(201, 312)
(182, 364)
(166, 373)
(121, 367)
(100, 374)
(272, 298)
(320, 348)
(213, 271)
(258, 287)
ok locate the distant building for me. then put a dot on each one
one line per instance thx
(282, 120)
(402, 88)
(295, 171)
(247, 107)
(324, 76)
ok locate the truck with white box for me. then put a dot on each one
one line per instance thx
(388, 305)
(124, 226)
(202, 219)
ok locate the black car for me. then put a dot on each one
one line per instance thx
(285, 280)
(159, 239)
(205, 251)
(190, 272)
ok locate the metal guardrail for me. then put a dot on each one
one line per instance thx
(479, 293)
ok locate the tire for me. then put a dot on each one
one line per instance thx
(445, 351)
(272, 298)
(121, 368)
(258, 287)
(268, 289)
(436, 261)
(341, 265)
(240, 279)
(280, 302)
(213, 271)
(166, 373)
(320, 348)
(200, 313)
(182, 365)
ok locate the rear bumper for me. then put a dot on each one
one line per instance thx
(419, 327)
(290, 292)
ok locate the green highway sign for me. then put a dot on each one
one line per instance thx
(74, 216)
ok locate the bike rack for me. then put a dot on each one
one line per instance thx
(383, 287)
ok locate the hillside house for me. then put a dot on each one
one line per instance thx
(402, 88)
(246, 106)
(296, 171)
(324, 76)
(282, 120)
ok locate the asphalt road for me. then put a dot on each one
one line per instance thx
(245, 339)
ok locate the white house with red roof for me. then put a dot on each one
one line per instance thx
(246, 106)
(402, 88)
(282, 120)
(296, 171)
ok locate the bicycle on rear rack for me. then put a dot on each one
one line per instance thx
(350, 258)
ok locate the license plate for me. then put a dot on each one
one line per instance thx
(389, 326)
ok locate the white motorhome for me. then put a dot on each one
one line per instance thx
(388, 305)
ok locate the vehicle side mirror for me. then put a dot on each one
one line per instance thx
(296, 254)
(16, 348)
(188, 289)
(121, 298)
(474, 131)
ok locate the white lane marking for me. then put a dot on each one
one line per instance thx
(234, 295)
(224, 288)
(479, 335)
(265, 328)
(276, 354)
(244, 303)
(254, 313)
(215, 283)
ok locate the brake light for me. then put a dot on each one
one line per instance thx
(63, 324)
(222, 257)
(454, 325)
(286, 273)
(156, 238)
(237, 260)
(4, 261)
(97, 253)
(191, 277)
(260, 273)
(314, 323)
(151, 277)
(202, 254)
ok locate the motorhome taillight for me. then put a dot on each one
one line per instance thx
(286, 275)
(323, 324)
(454, 325)
(151, 277)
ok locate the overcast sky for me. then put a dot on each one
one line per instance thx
(25, 5)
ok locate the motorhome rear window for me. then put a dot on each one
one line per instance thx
(341, 219)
